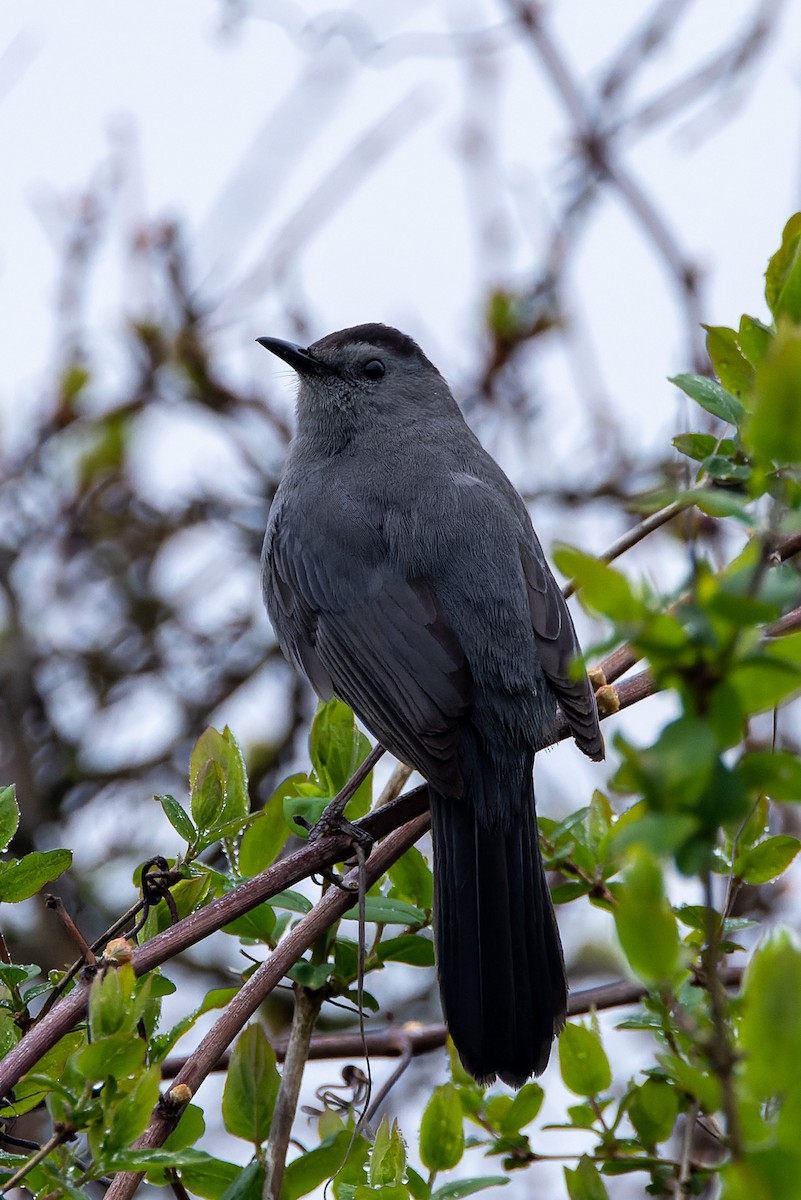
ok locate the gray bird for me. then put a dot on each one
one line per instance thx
(402, 574)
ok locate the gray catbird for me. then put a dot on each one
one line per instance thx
(402, 574)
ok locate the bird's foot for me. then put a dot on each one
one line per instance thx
(333, 822)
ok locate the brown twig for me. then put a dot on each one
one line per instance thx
(333, 904)
(416, 1040)
(307, 1008)
(640, 531)
(310, 859)
(56, 905)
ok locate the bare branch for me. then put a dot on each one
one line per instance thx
(334, 903)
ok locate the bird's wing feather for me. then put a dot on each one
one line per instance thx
(379, 642)
(558, 650)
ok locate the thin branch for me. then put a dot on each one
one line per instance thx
(416, 1040)
(640, 531)
(307, 1008)
(334, 903)
(310, 859)
(62, 1135)
(596, 146)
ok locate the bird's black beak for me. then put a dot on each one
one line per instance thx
(296, 356)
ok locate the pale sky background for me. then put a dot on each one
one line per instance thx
(232, 130)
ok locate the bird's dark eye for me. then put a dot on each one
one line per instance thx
(373, 369)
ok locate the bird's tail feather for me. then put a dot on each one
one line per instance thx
(500, 962)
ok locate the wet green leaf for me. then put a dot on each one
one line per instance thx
(732, 367)
(251, 1087)
(9, 815)
(646, 924)
(582, 1061)
(441, 1130)
(23, 878)
(712, 397)
(767, 859)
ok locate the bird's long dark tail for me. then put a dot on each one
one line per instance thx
(501, 971)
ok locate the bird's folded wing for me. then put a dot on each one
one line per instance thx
(379, 642)
(558, 650)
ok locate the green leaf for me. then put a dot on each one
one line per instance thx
(30, 1091)
(223, 750)
(676, 770)
(291, 900)
(310, 808)
(441, 1130)
(694, 1081)
(178, 818)
(712, 397)
(699, 446)
(755, 825)
(646, 924)
(208, 796)
(142, 1160)
(582, 1115)
(721, 502)
(251, 1087)
(10, 1033)
(188, 1132)
(653, 1109)
(563, 893)
(755, 338)
(771, 1017)
(409, 948)
(523, 1109)
(211, 1178)
(603, 588)
(468, 1187)
(585, 1183)
(112, 1003)
(263, 841)
(767, 859)
(309, 1170)
(762, 682)
(419, 1188)
(778, 774)
(723, 469)
(382, 1191)
(237, 800)
(387, 1161)
(16, 974)
(600, 819)
(22, 879)
(310, 975)
(732, 367)
(783, 276)
(337, 747)
(773, 432)
(114, 1057)
(9, 815)
(258, 925)
(384, 911)
(411, 879)
(582, 1061)
(763, 1174)
(248, 1185)
(132, 1112)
